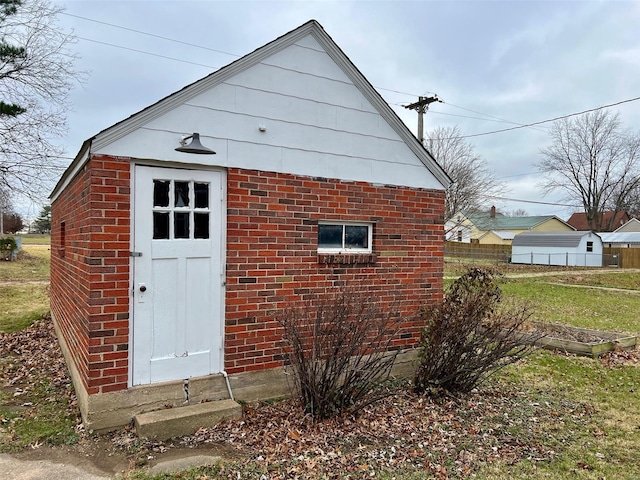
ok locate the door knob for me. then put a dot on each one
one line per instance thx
(143, 288)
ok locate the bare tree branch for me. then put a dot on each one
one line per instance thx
(472, 182)
(592, 160)
(38, 81)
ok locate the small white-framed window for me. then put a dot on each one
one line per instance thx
(338, 237)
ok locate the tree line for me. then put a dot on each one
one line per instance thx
(591, 160)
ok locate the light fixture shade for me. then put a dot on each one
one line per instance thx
(194, 146)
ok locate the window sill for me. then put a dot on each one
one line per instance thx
(347, 258)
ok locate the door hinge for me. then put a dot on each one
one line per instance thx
(135, 254)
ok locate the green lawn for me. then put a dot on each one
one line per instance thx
(621, 279)
(36, 239)
(24, 290)
(581, 307)
(32, 265)
(599, 445)
(21, 305)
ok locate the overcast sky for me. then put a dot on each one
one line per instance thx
(496, 64)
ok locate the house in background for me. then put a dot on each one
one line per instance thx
(609, 221)
(632, 225)
(572, 248)
(170, 262)
(496, 237)
(493, 227)
(620, 239)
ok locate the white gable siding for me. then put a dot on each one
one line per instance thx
(317, 121)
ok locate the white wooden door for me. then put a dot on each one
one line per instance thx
(178, 277)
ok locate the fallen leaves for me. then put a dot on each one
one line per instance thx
(39, 356)
(620, 358)
(441, 437)
(34, 378)
(438, 437)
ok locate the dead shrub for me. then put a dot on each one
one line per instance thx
(471, 334)
(340, 348)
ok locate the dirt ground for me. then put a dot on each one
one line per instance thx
(98, 455)
(92, 455)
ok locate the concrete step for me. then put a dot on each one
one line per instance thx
(179, 421)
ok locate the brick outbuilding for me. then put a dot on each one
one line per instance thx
(168, 266)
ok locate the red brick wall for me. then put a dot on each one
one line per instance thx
(272, 256)
(90, 271)
(271, 260)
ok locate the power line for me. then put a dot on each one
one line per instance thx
(531, 201)
(146, 53)
(485, 114)
(550, 119)
(149, 35)
(473, 118)
(518, 175)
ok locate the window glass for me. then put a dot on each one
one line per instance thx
(160, 225)
(344, 237)
(181, 194)
(160, 193)
(181, 225)
(200, 225)
(589, 246)
(356, 236)
(329, 236)
(201, 191)
(181, 210)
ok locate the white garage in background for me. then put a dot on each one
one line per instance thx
(582, 248)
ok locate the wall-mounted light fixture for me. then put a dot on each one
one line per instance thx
(195, 146)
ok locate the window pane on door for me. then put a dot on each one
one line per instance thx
(181, 225)
(160, 225)
(181, 194)
(201, 191)
(161, 193)
(200, 225)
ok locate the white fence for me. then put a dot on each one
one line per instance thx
(566, 259)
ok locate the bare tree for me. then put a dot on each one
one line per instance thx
(36, 76)
(594, 161)
(518, 212)
(5, 207)
(632, 206)
(472, 182)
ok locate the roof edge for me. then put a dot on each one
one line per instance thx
(167, 103)
(74, 167)
(369, 91)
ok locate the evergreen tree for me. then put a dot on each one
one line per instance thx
(10, 55)
(42, 224)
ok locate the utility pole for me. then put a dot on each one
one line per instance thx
(421, 106)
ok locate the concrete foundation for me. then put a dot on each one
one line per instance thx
(177, 422)
(108, 411)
